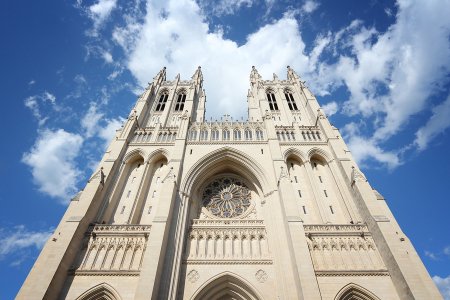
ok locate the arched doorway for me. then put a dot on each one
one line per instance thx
(226, 286)
(102, 291)
(355, 292)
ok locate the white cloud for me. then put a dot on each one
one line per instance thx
(107, 57)
(52, 162)
(444, 286)
(310, 6)
(49, 97)
(107, 133)
(225, 7)
(364, 149)
(330, 108)
(181, 40)
(402, 59)
(437, 124)
(99, 13)
(390, 76)
(12, 242)
(90, 121)
(32, 82)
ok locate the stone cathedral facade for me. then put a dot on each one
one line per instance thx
(271, 208)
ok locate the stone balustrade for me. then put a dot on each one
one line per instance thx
(228, 241)
(112, 249)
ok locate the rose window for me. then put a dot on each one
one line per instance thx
(226, 197)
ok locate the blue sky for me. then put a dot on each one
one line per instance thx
(70, 72)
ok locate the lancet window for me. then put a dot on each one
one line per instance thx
(272, 101)
(237, 135)
(181, 99)
(204, 135)
(226, 135)
(162, 101)
(248, 134)
(290, 99)
(215, 134)
(193, 134)
(259, 134)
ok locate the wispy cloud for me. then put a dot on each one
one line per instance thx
(15, 242)
(90, 120)
(99, 13)
(443, 254)
(437, 124)
(35, 103)
(443, 285)
(310, 6)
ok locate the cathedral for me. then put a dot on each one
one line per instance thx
(274, 207)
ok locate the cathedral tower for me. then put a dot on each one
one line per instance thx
(271, 208)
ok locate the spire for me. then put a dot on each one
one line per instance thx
(161, 76)
(254, 75)
(291, 75)
(198, 75)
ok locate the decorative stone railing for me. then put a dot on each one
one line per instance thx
(346, 229)
(112, 249)
(226, 223)
(227, 241)
(227, 131)
(291, 134)
(142, 136)
(346, 249)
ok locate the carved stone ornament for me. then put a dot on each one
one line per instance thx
(268, 115)
(283, 174)
(261, 276)
(193, 276)
(185, 114)
(226, 197)
(357, 176)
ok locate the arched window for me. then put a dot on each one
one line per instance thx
(272, 101)
(204, 135)
(181, 99)
(290, 99)
(259, 134)
(226, 135)
(215, 134)
(237, 135)
(162, 101)
(248, 134)
(193, 134)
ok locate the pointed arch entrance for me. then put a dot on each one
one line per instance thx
(355, 292)
(102, 291)
(226, 286)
